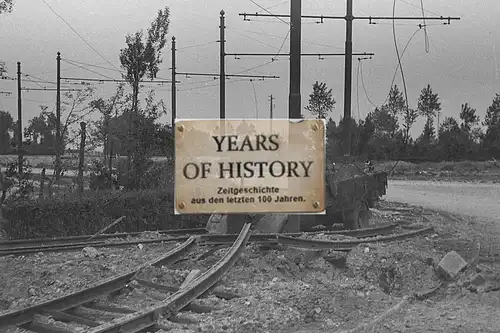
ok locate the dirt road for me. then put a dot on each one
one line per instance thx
(469, 199)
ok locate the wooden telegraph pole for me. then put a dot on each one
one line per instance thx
(294, 99)
(58, 118)
(174, 97)
(222, 74)
(19, 122)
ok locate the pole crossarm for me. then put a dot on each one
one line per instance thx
(370, 18)
(112, 80)
(230, 75)
(49, 89)
(6, 92)
(302, 54)
(442, 18)
(287, 16)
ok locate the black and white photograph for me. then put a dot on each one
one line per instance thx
(389, 223)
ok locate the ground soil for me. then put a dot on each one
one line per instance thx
(294, 290)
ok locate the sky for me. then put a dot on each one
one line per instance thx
(458, 61)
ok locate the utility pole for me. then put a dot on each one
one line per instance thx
(294, 109)
(174, 97)
(222, 76)
(58, 117)
(348, 80)
(19, 122)
(271, 106)
(271, 98)
(81, 159)
(294, 101)
(348, 51)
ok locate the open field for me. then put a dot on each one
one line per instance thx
(471, 171)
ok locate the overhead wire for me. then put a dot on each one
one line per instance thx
(97, 73)
(400, 66)
(357, 104)
(277, 5)
(425, 28)
(211, 85)
(393, 77)
(397, 51)
(195, 45)
(267, 11)
(91, 65)
(80, 36)
(255, 98)
(254, 39)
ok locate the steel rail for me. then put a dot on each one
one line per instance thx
(208, 239)
(25, 316)
(346, 245)
(83, 238)
(213, 239)
(79, 246)
(147, 318)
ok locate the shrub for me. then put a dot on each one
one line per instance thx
(88, 213)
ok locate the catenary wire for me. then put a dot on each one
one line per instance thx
(80, 36)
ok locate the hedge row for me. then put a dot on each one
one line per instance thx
(87, 214)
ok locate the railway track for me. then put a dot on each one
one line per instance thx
(79, 310)
(89, 310)
(68, 244)
(40, 242)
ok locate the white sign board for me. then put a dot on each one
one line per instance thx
(249, 166)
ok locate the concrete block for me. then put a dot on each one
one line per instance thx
(478, 280)
(451, 264)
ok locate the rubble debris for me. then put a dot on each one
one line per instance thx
(451, 264)
(477, 280)
(91, 252)
(397, 269)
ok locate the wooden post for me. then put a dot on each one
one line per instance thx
(82, 156)
(42, 184)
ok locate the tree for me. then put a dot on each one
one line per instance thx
(492, 122)
(3, 68)
(470, 132)
(75, 108)
(468, 117)
(396, 102)
(41, 132)
(6, 125)
(109, 109)
(142, 58)
(384, 142)
(5, 6)
(333, 147)
(451, 139)
(321, 101)
(428, 106)
(367, 131)
(409, 119)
